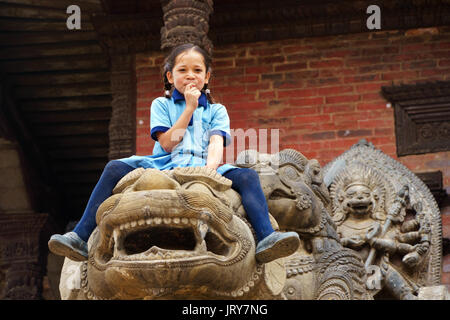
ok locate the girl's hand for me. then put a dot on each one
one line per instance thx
(191, 95)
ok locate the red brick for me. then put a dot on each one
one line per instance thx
(362, 78)
(342, 53)
(325, 64)
(297, 93)
(244, 62)
(338, 108)
(297, 111)
(380, 51)
(306, 101)
(342, 99)
(311, 118)
(357, 62)
(302, 56)
(218, 64)
(377, 68)
(230, 72)
(288, 84)
(354, 133)
(384, 131)
(346, 117)
(265, 51)
(419, 65)
(373, 97)
(373, 123)
(257, 86)
(254, 105)
(267, 95)
(370, 106)
(335, 90)
(323, 82)
(242, 79)
(258, 69)
(290, 66)
(444, 63)
(307, 74)
(400, 75)
(319, 136)
(296, 48)
(271, 59)
(419, 47)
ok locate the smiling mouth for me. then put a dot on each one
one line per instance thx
(360, 206)
(162, 238)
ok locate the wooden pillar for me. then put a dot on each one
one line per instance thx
(122, 126)
(186, 21)
(116, 37)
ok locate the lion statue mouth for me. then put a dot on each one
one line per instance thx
(149, 237)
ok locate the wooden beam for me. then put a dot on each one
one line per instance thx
(69, 116)
(85, 89)
(42, 37)
(29, 12)
(85, 6)
(68, 142)
(79, 153)
(55, 64)
(66, 77)
(92, 127)
(50, 50)
(70, 103)
(95, 165)
(79, 177)
(44, 25)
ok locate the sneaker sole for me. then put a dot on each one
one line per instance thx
(282, 248)
(62, 250)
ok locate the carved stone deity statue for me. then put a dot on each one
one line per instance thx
(389, 217)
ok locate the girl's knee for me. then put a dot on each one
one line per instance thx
(115, 168)
(248, 176)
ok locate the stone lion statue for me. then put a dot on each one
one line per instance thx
(183, 234)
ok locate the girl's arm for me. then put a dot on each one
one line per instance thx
(169, 139)
(215, 151)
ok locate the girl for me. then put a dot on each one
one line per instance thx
(188, 128)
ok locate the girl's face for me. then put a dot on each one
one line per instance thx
(189, 68)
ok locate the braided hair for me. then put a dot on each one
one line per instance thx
(169, 63)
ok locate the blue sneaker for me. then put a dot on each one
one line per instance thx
(277, 245)
(69, 245)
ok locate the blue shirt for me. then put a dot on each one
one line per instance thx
(192, 151)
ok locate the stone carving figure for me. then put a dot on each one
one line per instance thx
(383, 212)
(298, 199)
(370, 217)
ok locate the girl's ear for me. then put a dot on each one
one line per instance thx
(208, 75)
(169, 77)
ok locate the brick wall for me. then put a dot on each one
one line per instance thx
(323, 94)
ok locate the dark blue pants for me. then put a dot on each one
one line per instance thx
(245, 182)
